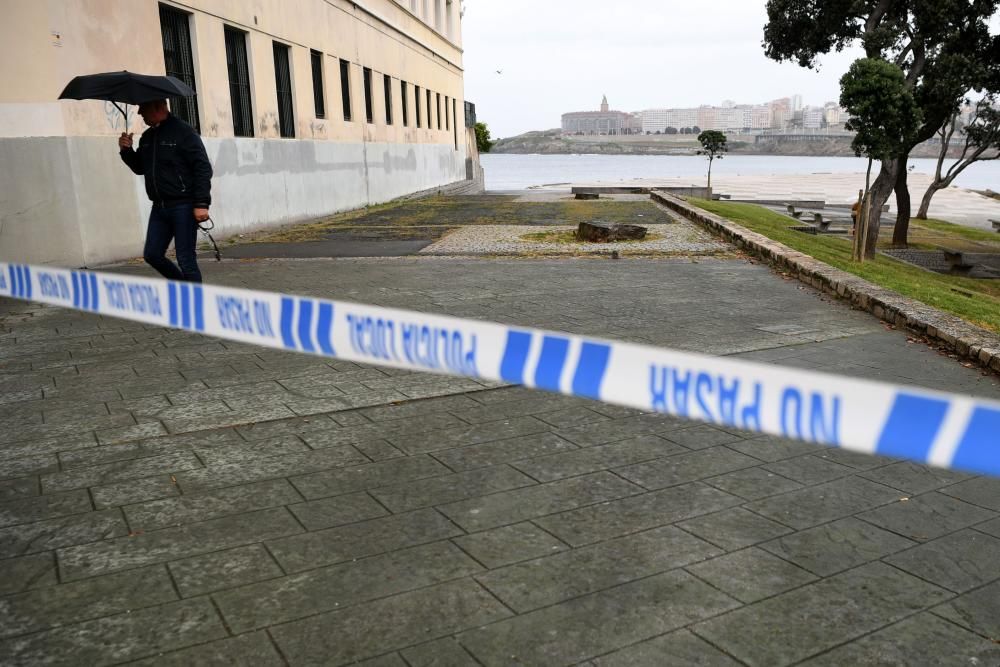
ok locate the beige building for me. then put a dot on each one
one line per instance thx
(306, 107)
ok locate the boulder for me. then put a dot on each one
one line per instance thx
(606, 232)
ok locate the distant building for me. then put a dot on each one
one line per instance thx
(812, 118)
(781, 113)
(605, 121)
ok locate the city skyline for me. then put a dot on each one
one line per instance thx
(781, 113)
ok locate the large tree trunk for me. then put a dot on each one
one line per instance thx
(925, 203)
(881, 189)
(900, 231)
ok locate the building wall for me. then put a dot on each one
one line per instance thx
(71, 201)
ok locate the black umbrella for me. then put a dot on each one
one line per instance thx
(125, 87)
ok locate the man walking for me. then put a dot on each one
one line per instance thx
(178, 176)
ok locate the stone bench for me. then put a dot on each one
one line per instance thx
(957, 262)
(792, 212)
(996, 225)
(824, 225)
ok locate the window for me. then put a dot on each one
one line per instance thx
(447, 116)
(416, 101)
(283, 83)
(405, 101)
(454, 118)
(317, 69)
(369, 113)
(387, 89)
(345, 87)
(176, 33)
(438, 109)
(239, 81)
(430, 121)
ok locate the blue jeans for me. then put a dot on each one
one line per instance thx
(174, 223)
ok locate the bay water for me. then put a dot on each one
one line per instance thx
(518, 172)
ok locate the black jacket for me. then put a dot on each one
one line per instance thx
(172, 157)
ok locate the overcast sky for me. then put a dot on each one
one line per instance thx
(563, 55)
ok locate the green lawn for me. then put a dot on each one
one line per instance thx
(934, 289)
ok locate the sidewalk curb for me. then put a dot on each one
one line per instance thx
(966, 339)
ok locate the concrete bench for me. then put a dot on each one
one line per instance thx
(957, 262)
(996, 225)
(824, 225)
(792, 212)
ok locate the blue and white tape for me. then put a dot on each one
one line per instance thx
(936, 428)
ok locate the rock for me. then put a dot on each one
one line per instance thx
(606, 232)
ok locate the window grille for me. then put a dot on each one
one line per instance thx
(369, 113)
(317, 72)
(283, 83)
(387, 90)
(404, 99)
(416, 101)
(176, 32)
(239, 82)
(345, 87)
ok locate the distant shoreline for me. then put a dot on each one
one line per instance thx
(552, 142)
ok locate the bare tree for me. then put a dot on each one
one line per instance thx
(982, 142)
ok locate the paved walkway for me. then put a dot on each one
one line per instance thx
(174, 499)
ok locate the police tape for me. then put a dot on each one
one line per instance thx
(940, 429)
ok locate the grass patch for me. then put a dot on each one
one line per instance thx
(951, 229)
(978, 302)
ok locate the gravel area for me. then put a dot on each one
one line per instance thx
(675, 238)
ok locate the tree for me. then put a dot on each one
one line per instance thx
(713, 144)
(670, 130)
(943, 48)
(483, 142)
(695, 130)
(982, 142)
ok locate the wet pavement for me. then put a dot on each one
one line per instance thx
(173, 499)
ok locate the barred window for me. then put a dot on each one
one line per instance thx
(369, 112)
(317, 71)
(430, 121)
(239, 82)
(345, 88)
(405, 101)
(283, 84)
(438, 109)
(387, 90)
(416, 100)
(176, 32)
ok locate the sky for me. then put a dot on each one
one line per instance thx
(556, 56)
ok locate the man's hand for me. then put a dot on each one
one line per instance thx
(125, 141)
(201, 214)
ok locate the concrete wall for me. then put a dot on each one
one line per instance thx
(70, 201)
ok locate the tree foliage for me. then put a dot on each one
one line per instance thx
(483, 142)
(884, 115)
(942, 47)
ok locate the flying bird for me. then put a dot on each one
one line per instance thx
(499, 71)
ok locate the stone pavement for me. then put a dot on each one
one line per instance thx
(172, 499)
